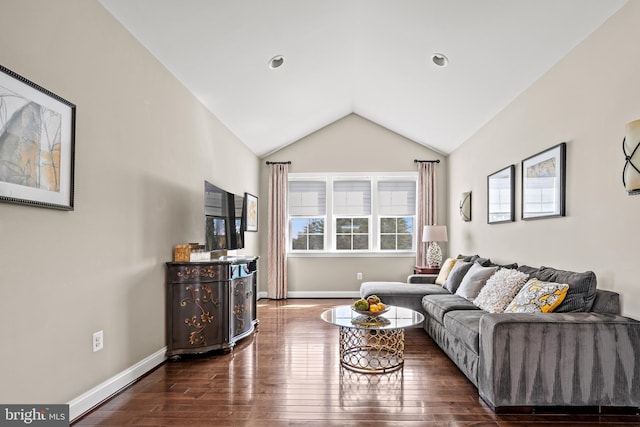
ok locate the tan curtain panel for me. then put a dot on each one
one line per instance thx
(426, 205)
(277, 250)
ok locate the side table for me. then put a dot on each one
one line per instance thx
(422, 269)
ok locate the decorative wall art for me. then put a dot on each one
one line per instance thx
(251, 212)
(543, 183)
(501, 196)
(465, 206)
(37, 137)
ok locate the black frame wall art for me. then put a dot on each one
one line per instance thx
(501, 196)
(544, 183)
(37, 144)
(250, 212)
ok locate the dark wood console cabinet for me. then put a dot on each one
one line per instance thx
(210, 305)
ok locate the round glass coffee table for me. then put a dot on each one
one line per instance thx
(372, 344)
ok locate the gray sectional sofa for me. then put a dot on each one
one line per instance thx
(584, 354)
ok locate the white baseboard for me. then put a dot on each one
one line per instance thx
(85, 402)
(317, 294)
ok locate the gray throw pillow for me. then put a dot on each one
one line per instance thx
(456, 275)
(474, 280)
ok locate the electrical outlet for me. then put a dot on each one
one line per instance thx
(359, 276)
(98, 341)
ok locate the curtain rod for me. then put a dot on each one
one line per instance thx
(279, 163)
(426, 161)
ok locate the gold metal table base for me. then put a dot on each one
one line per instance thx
(372, 350)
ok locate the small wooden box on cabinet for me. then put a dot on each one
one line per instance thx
(210, 305)
(420, 269)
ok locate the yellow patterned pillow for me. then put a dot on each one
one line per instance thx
(538, 297)
(446, 268)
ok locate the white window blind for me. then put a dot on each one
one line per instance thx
(352, 197)
(397, 197)
(307, 198)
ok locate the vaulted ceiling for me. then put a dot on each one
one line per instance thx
(369, 57)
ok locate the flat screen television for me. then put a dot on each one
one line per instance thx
(224, 213)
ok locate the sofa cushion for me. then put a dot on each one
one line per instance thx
(422, 278)
(511, 266)
(606, 302)
(485, 262)
(582, 288)
(372, 288)
(474, 281)
(399, 288)
(528, 269)
(465, 326)
(400, 294)
(455, 277)
(500, 290)
(468, 258)
(445, 270)
(538, 297)
(436, 306)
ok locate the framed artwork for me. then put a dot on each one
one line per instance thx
(465, 206)
(543, 183)
(501, 196)
(250, 212)
(37, 138)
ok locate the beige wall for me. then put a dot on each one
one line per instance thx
(585, 100)
(144, 147)
(352, 144)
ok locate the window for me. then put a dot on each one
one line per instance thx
(396, 234)
(352, 234)
(307, 215)
(308, 234)
(352, 213)
(396, 209)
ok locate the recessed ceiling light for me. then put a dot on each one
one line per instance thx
(276, 62)
(439, 59)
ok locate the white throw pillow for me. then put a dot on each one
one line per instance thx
(500, 290)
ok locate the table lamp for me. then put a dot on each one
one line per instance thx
(434, 234)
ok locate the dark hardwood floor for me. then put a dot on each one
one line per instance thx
(287, 374)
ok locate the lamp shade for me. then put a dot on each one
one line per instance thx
(434, 233)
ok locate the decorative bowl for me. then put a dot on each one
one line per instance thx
(371, 313)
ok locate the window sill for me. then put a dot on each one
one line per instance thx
(325, 254)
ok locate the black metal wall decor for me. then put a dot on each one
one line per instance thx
(465, 206)
(631, 151)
